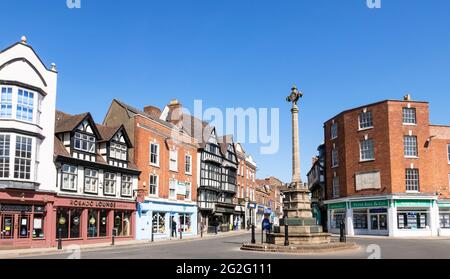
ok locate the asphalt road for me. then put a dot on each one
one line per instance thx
(228, 248)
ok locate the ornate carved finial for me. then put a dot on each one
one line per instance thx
(23, 40)
(295, 95)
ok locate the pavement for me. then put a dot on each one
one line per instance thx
(227, 246)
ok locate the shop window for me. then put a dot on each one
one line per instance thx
(38, 226)
(97, 223)
(185, 223)
(159, 222)
(122, 223)
(412, 220)
(337, 218)
(360, 220)
(68, 223)
(444, 220)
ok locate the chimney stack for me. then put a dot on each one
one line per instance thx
(407, 97)
(175, 115)
(152, 111)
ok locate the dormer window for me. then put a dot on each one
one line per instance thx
(118, 151)
(84, 142)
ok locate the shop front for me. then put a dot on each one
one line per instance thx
(395, 216)
(84, 221)
(25, 219)
(444, 217)
(239, 217)
(165, 219)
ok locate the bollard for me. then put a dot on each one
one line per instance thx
(181, 234)
(286, 235)
(153, 236)
(59, 239)
(113, 240)
(253, 235)
(201, 232)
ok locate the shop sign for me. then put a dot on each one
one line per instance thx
(15, 208)
(340, 205)
(363, 204)
(412, 203)
(94, 204)
(251, 205)
(444, 204)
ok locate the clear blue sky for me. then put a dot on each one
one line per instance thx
(245, 53)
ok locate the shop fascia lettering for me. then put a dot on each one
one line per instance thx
(94, 204)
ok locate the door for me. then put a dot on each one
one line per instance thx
(379, 222)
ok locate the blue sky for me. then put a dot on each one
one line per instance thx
(241, 53)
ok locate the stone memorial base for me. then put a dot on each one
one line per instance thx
(300, 249)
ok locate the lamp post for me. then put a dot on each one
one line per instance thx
(61, 222)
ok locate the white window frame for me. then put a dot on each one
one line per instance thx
(92, 178)
(156, 184)
(5, 158)
(71, 172)
(108, 179)
(334, 131)
(410, 151)
(81, 137)
(6, 102)
(126, 185)
(410, 179)
(336, 187)
(448, 153)
(173, 186)
(188, 163)
(188, 191)
(23, 159)
(365, 118)
(365, 151)
(406, 115)
(334, 158)
(157, 154)
(173, 160)
(118, 151)
(26, 104)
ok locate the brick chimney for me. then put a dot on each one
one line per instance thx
(152, 111)
(175, 115)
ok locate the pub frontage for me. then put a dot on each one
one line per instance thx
(25, 219)
(84, 221)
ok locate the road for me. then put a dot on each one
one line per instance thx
(228, 248)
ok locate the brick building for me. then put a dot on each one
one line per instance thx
(387, 170)
(167, 158)
(269, 199)
(246, 188)
(316, 183)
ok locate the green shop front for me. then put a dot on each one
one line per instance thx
(397, 216)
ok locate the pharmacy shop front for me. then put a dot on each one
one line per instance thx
(394, 216)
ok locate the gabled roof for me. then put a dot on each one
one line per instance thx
(65, 122)
(30, 47)
(107, 133)
(197, 128)
(224, 141)
(132, 111)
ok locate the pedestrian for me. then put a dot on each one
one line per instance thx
(174, 227)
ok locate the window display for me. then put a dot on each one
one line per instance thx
(159, 223)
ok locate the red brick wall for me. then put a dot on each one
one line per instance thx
(387, 134)
(155, 132)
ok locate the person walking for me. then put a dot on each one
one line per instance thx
(174, 227)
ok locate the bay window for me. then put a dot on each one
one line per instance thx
(69, 178)
(6, 103)
(22, 163)
(25, 105)
(5, 141)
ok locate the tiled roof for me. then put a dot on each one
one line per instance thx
(65, 122)
(106, 132)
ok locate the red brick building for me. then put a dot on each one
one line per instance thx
(269, 199)
(387, 170)
(167, 158)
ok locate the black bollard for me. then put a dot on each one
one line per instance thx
(262, 235)
(113, 240)
(181, 234)
(286, 235)
(343, 238)
(153, 235)
(59, 239)
(253, 235)
(201, 231)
